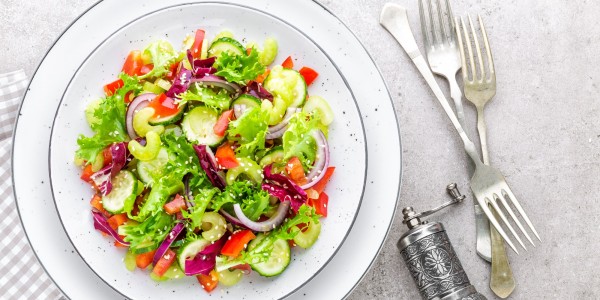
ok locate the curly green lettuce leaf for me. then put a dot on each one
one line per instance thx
(239, 68)
(250, 130)
(298, 140)
(163, 55)
(147, 235)
(201, 200)
(109, 121)
(218, 99)
(253, 200)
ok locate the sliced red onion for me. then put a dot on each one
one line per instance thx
(166, 243)
(201, 67)
(102, 178)
(239, 110)
(189, 197)
(213, 80)
(101, 223)
(278, 130)
(231, 219)
(321, 162)
(208, 162)
(205, 260)
(266, 225)
(137, 104)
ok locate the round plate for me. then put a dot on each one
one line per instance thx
(32, 190)
(346, 139)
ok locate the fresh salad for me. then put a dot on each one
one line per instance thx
(210, 161)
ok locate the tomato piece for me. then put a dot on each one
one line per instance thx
(320, 204)
(176, 205)
(288, 63)
(117, 220)
(309, 75)
(146, 69)
(133, 63)
(223, 122)
(96, 202)
(226, 157)
(164, 263)
(172, 71)
(138, 203)
(164, 106)
(87, 173)
(237, 242)
(197, 46)
(261, 78)
(209, 282)
(107, 155)
(145, 259)
(295, 170)
(320, 186)
(110, 88)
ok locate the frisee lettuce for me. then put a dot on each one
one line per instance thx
(253, 200)
(250, 130)
(219, 99)
(239, 68)
(163, 55)
(298, 140)
(147, 235)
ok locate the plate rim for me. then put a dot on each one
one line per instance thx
(256, 10)
(92, 6)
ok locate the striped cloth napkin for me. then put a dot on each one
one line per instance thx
(21, 276)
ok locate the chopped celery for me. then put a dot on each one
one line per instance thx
(247, 167)
(148, 152)
(141, 125)
(215, 226)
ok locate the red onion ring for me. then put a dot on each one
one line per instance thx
(213, 80)
(166, 243)
(266, 225)
(322, 161)
(231, 219)
(137, 104)
(286, 119)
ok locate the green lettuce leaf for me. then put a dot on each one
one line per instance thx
(298, 141)
(147, 235)
(219, 99)
(253, 200)
(239, 68)
(162, 55)
(109, 121)
(250, 130)
(201, 201)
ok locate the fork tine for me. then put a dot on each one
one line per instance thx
(451, 23)
(514, 218)
(505, 220)
(443, 30)
(516, 203)
(424, 29)
(436, 33)
(476, 41)
(469, 48)
(461, 49)
(487, 47)
(483, 204)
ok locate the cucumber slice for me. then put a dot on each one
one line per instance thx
(190, 249)
(278, 260)
(309, 237)
(168, 119)
(146, 169)
(321, 107)
(275, 155)
(248, 100)
(122, 196)
(198, 126)
(287, 84)
(226, 44)
(230, 278)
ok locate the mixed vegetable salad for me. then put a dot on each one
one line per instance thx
(210, 161)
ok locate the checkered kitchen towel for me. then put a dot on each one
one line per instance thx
(21, 276)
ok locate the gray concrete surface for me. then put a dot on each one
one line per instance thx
(543, 126)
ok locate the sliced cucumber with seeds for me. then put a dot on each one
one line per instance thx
(275, 155)
(190, 249)
(123, 193)
(226, 44)
(148, 169)
(318, 105)
(287, 84)
(198, 126)
(278, 260)
(248, 100)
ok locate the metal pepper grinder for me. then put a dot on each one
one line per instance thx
(430, 258)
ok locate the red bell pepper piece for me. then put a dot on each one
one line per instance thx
(110, 88)
(309, 75)
(146, 69)
(176, 205)
(87, 173)
(145, 259)
(223, 122)
(288, 63)
(320, 186)
(295, 170)
(226, 157)
(197, 46)
(117, 220)
(320, 204)
(237, 242)
(133, 63)
(164, 106)
(96, 202)
(164, 263)
(209, 282)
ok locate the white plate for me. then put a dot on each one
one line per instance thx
(346, 139)
(52, 77)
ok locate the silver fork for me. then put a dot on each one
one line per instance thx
(487, 183)
(444, 59)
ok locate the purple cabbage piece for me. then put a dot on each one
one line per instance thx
(283, 188)
(180, 84)
(205, 260)
(166, 243)
(102, 178)
(201, 67)
(209, 165)
(101, 223)
(257, 90)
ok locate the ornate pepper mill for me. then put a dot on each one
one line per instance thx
(430, 258)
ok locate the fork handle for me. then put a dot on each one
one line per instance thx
(456, 95)
(482, 128)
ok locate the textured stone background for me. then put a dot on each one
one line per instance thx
(543, 127)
